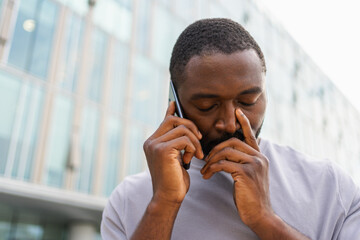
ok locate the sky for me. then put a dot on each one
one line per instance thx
(329, 32)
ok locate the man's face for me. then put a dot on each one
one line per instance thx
(214, 86)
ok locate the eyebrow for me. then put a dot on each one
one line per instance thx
(251, 91)
(197, 96)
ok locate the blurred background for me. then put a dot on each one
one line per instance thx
(84, 82)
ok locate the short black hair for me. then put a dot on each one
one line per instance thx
(209, 36)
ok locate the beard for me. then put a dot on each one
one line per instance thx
(207, 145)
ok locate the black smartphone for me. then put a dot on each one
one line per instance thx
(173, 97)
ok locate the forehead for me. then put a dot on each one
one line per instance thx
(219, 72)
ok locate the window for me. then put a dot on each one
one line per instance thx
(69, 63)
(185, 9)
(25, 111)
(88, 145)
(33, 36)
(20, 223)
(114, 17)
(162, 35)
(9, 94)
(1, 3)
(79, 6)
(143, 26)
(146, 92)
(5, 221)
(25, 132)
(136, 160)
(59, 141)
(97, 65)
(112, 157)
(119, 77)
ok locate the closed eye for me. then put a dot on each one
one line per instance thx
(247, 104)
(206, 109)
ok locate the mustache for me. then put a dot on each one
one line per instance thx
(226, 136)
(208, 146)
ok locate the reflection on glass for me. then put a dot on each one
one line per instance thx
(33, 36)
(114, 17)
(5, 221)
(143, 26)
(136, 159)
(32, 98)
(88, 142)
(112, 157)
(59, 141)
(79, 6)
(162, 35)
(9, 94)
(24, 133)
(185, 8)
(20, 224)
(28, 227)
(146, 92)
(119, 74)
(69, 64)
(97, 65)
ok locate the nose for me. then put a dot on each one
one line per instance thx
(227, 121)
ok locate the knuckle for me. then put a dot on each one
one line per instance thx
(169, 119)
(258, 162)
(249, 171)
(182, 128)
(221, 162)
(146, 145)
(227, 151)
(157, 149)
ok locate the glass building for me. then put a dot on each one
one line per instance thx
(83, 83)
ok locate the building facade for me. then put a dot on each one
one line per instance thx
(83, 83)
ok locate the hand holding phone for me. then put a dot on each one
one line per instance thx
(173, 97)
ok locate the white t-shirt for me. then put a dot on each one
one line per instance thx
(315, 197)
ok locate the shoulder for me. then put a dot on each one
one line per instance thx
(322, 174)
(289, 158)
(125, 206)
(132, 186)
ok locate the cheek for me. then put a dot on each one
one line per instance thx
(256, 118)
(204, 124)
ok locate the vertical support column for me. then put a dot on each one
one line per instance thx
(124, 154)
(99, 160)
(7, 24)
(75, 156)
(39, 163)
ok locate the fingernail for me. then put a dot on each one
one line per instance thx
(186, 166)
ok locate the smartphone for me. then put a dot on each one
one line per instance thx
(173, 97)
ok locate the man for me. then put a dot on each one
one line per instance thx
(238, 186)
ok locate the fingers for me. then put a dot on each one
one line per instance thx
(234, 143)
(248, 165)
(170, 122)
(226, 166)
(182, 131)
(171, 109)
(250, 138)
(228, 154)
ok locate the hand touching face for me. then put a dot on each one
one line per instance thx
(217, 84)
